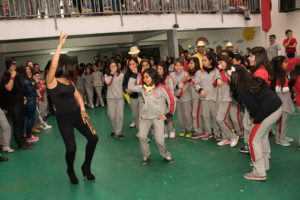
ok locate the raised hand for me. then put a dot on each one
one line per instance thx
(62, 38)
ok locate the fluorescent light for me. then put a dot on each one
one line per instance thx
(63, 52)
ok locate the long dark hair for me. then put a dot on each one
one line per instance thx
(211, 56)
(108, 71)
(241, 78)
(153, 74)
(21, 70)
(226, 59)
(294, 75)
(166, 70)
(65, 68)
(279, 73)
(261, 58)
(196, 68)
(128, 73)
(140, 66)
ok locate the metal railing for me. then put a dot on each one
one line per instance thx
(18, 9)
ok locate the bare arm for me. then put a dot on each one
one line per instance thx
(50, 79)
(10, 83)
(79, 99)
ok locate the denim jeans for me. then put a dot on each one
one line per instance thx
(30, 116)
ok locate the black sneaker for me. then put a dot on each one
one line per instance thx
(169, 161)
(112, 134)
(244, 150)
(25, 147)
(2, 159)
(120, 136)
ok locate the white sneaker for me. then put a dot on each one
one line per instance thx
(7, 149)
(132, 125)
(97, 104)
(284, 144)
(288, 139)
(234, 141)
(166, 135)
(92, 106)
(46, 127)
(172, 135)
(223, 142)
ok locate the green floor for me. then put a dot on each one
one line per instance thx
(201, 169)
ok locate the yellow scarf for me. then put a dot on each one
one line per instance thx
(148, 89)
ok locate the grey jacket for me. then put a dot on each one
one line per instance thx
(183, 94)
(114, 86)
(224, 93)
(207, 82)
(88, 80)
(155, 102)
(80, 83)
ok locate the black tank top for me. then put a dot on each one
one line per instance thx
(63, 98)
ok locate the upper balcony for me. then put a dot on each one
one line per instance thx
(93, 17)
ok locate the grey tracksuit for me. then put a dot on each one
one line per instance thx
(196, 108)
(184, 103)
(170, 85)
(206, 81)
(287, 108)
(97, 77)
(89, 88)
(136, 105)
(5, 130)
(80, 86)
(236, 114)
(115, 101)
(155, 105)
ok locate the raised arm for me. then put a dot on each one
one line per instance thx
(50, 79)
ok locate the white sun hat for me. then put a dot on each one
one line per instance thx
(134, 50)
(229, 44)
(200, 44)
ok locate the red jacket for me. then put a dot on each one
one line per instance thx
(291, 63)
(297, 91)
(262, 73)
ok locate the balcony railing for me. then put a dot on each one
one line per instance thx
(20, 9)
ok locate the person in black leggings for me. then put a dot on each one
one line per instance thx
(70, 111)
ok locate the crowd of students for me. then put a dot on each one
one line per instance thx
(222, 96)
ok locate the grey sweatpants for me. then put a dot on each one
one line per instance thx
(158, 126)
(90, 93)
(169, 126)
(236, 116)
(281, 127)
(209, 114)
(184, 115)
(259, 143)
(134, 105)
(5, 130)
(223, 120)
(247, 124)
(115, 109)
(197, 122)
(98, 91)
(43, 107)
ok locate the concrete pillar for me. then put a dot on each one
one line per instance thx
(172, 42)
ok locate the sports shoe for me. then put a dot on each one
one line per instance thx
(112, 134)
(234, 141)
(288, 139)
(32, 139)
(25, 147)
(223, 142)
(271, 133)
(97, 104)
(196, 136)
(146, 161)
(2, 159)
(188, 134)
(182, 134)
(251, 176)
(169, 160)
(35, 130)
(46, 127)
(166, 135)
(172, 135)
(284, 143)
(203, 134)
(244, 150)
(132, 125)
(218, 137)
(208, 136)
(92, 106)
(7, 149)
(120, 136)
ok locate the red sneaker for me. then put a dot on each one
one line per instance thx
(32, 139)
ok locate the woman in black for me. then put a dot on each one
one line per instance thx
(70, 111)
(15, 98)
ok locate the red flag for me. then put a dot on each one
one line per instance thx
(266, 6)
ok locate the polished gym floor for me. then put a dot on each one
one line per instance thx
(202, 170)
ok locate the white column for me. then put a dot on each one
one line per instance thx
(172, 42)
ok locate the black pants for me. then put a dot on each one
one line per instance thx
(66, 124)
(17, 112)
